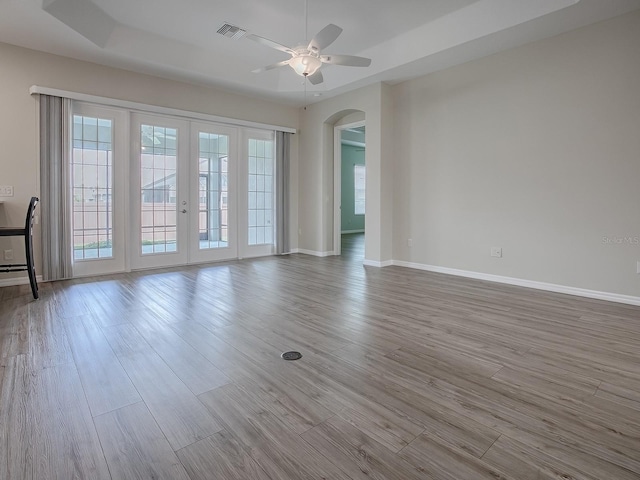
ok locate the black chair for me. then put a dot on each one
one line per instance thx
(27, 233)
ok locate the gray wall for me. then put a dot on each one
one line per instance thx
(535, 150)
(351, 156)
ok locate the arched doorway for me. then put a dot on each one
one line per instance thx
(349, 187)
(316, 172)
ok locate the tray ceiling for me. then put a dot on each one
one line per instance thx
(178, 40)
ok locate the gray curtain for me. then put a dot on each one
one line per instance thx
(55, 190)
(283, 158)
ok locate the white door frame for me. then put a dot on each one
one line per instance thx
(140, 261)
(337, 183)
(244, 249)
(231, 251)
(120, 199)
(128, 202)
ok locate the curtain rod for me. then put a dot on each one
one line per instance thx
(114, 102)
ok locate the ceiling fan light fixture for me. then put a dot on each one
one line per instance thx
(305, 65)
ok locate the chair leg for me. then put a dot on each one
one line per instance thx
(31, 269)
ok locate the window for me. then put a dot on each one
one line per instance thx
(261, 191)
(359, 176)
(92, 180)
(213, 209)
(158, 177)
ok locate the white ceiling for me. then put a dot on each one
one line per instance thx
(178, 39)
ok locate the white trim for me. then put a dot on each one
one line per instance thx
(120, 206)
(549, 287)
(337, 191)
(346, 232)
(313, 252)
(375, 263)
(143, 107)
(337, 182)
(10, 282)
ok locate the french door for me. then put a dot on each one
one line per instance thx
(195, 192)
(203, 192)
(159, 182)
(214, 196)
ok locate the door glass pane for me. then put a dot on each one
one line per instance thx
(158, 174)
(260, 186)
(92, 181)
(213, 195)
(359, 189)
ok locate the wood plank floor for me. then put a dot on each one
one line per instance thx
(176, 374)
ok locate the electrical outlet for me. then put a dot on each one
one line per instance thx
(410, 242)
(496, 252)
(6, 191)
(8, 254)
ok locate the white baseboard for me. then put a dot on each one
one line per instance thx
(375, 263)
(312, 252)
(10, 282)
(549, 287)
(344, 232)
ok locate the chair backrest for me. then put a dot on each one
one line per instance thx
(31, 211)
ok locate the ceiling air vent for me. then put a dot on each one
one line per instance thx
(231, 31)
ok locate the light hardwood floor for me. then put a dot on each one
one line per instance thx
(176, 374)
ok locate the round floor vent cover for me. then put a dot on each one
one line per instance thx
(291, 355)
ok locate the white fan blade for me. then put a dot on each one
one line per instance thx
(269, 43)
(316, 78)
(346, 60)
(271, 67)
(325, 37)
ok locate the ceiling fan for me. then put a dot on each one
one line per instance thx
(307, 60)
